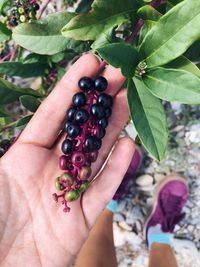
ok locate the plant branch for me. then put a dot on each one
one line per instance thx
(43, 9)
(10, 125)
(136, 29)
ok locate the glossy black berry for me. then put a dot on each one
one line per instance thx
(105, 100)
(86, 84)
(65, 125)
(13, 21)
(73, 129)
(79, 99)
(70, 114)
(103, 122)
(5, 144)
(36, 7)
(108, 112)
(99, 132)
(67, 146)
(2, 152)
(14, 12)
(92, 143)
(100, 84)
(97, 111)
(81, 116)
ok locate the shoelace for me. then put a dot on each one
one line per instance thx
(172, 215)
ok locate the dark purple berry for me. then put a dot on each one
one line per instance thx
(103, 122)
(70, 114)
(13, 21)
(36, 7)
(92, 156)
(79, 159)
(67, 146)
(66, 124)
(105, 100)
(73, 129)
(99, 132)
(97, 111)
(5, 144)
(86, 84)
(100, 84)
(2, 152)
(81, 116)
(92, 143)
(108, 112)
(79, 99)
(63, 162)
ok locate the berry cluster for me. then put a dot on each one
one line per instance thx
(85, 126)
(23, 11)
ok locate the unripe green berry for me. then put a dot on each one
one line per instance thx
(57, 183)
(22, 18)
(85, 172)
(72, 196)
(20, 10)
(31, 15)
(84, 186)
(67, 178)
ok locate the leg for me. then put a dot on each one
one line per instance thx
(170, 198)
(99, 250)
(162, 255)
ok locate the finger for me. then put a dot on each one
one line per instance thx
(95, 199)
(115, 80)
(119, 118)
(47, 121)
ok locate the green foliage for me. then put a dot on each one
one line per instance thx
(149, 118)
(157, 49)
(30, 102)
(9, 92)
(21, 69)
(5, 33)
(171, 37)
(21, 124)
(173, 85)
(104, 15)
(127, 61)
(44, 36)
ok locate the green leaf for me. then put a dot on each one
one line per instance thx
(21, 124)
(9, 92)
(120, 55)
(105, 38)
(148, 25)
(35, 58)
(104, 15)
(44, 36)
(173, 85)
(171, 37)
(148, 13)
(3, 113)
(22, 70)
(149, 118)
(5, 33)
(84, 6)
(30, 102)
(184, 64)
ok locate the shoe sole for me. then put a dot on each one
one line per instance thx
(160, 186)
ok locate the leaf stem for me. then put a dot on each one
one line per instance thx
(10, 125)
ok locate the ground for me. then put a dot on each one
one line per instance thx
(183, 157)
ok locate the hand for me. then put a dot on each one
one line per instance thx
(34, 231)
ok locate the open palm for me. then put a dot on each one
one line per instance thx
(34, 231)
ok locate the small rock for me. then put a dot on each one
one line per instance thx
(190, 228)
(144, 180)
(138, 226)
(125, 226)
(158, 177)
(118, 217)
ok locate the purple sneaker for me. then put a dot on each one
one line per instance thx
(170, 198)
(132, 170)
